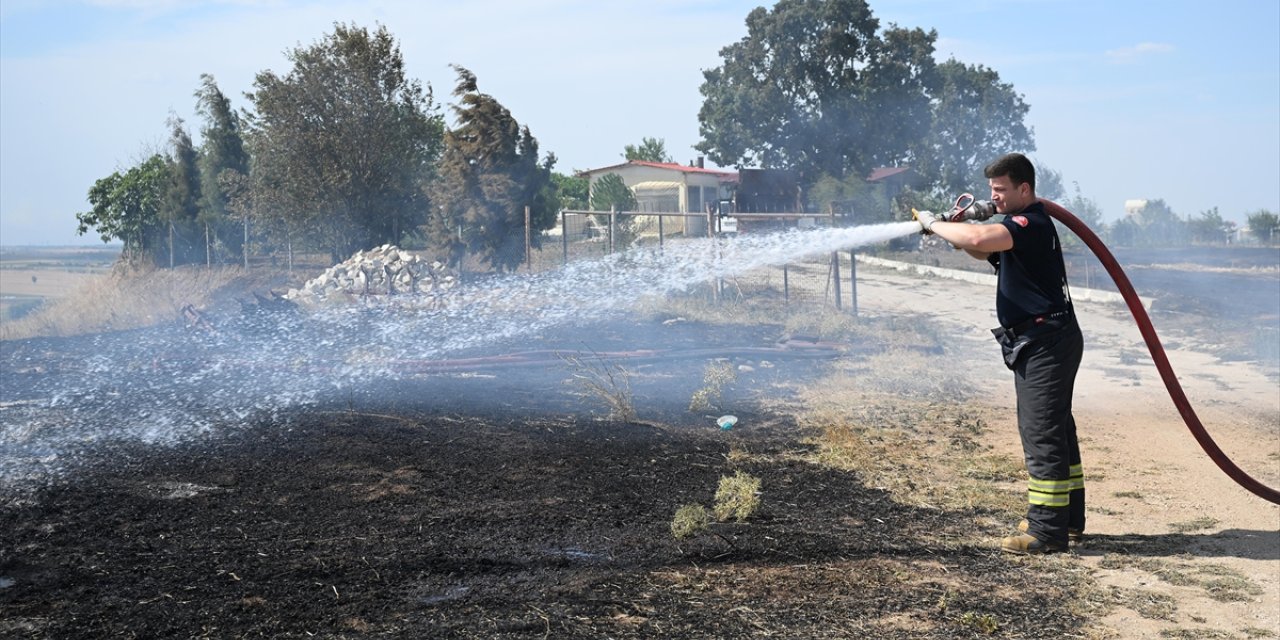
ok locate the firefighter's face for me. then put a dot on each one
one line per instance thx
(1010, 198)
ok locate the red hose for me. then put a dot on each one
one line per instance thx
(1157, 354)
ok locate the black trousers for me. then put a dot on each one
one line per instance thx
(1045, 367)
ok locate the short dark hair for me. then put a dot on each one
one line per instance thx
(1014, 165)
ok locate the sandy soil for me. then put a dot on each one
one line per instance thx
(1153, 493)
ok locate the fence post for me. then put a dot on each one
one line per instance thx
(660, 234)
(835, 257)
(564, 235)
(786, 286)
(835, 273)
(853, 282)
(613, 220)
(715, 246)
(528, 240)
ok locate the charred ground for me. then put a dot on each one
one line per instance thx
(491, 505)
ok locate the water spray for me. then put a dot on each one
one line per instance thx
(969, 208)
(163, 386)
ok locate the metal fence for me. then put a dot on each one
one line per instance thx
(816, 280)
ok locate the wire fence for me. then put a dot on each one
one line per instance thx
(816, 280)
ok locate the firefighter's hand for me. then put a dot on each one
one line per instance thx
(926, 220)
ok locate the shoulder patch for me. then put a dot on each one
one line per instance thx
(1021, 220)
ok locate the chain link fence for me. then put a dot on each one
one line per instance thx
(828, 280)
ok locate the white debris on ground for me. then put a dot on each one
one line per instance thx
(386, 270)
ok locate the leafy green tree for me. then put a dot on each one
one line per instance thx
(649, 150)
(855, 200)
(181, 207)
(572, 191)
(814, 88)
(489, 173)
(1049, 184)
(1161, 227)
(976, 119)
(222, 157)
(1264, 225)
(1209, 227)
(817, 87)
(345, 141)
(1126, 232)
(1082, 207)
(126, 207)
(610, 193)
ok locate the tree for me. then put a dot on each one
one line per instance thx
(976, 118)
(858, 201)
(222, 157)
(813, 88)
(817, 87)
(1049, 184)
(126, 207)
(610, 193)
(180, 208)
(345, 140)
(488, 174)
(1264, 225)
(649, 150)
(572, 191)
(1161, 227)
(1125, 232)
(1084, 208)
(1209, 227)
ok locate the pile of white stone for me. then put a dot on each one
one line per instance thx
(386, 270)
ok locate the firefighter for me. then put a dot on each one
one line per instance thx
(1041, 343)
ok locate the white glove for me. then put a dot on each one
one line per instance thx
(926, 220)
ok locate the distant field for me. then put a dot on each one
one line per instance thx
(29, 275)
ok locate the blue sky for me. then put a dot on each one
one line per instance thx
(1174, 100)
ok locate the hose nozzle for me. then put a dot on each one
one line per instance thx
(968, 207)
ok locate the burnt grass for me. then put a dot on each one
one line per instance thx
(488, 506)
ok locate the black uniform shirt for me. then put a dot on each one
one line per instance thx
(1031, 280)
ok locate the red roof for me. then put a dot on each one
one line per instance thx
(672, 166)
(884, 172)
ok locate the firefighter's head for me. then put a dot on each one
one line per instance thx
(1013, 183)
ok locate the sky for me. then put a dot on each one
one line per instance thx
(1129, 99)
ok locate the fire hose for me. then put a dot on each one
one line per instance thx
(1158, 355)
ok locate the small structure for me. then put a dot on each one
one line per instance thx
(894, 179)
(1134, 208)
(668, 187)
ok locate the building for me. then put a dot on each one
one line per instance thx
(670, 187)
(894, 179)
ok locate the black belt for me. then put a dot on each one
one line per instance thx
(1027, 325)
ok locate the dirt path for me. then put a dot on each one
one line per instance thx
(1193, 550)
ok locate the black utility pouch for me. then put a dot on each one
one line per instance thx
(1010, 345)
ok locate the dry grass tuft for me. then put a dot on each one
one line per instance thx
(737, 497)
(715, 378)
(132, 298)
(690, 520)
(606, 381)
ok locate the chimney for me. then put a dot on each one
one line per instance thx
(699, 163)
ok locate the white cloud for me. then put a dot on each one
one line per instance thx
(1130, 54)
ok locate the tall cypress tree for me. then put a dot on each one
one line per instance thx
(489, 172)
(223, 160)
(180, 209)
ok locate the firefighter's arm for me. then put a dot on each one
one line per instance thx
(978, 240)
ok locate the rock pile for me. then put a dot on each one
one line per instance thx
(386, 270)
